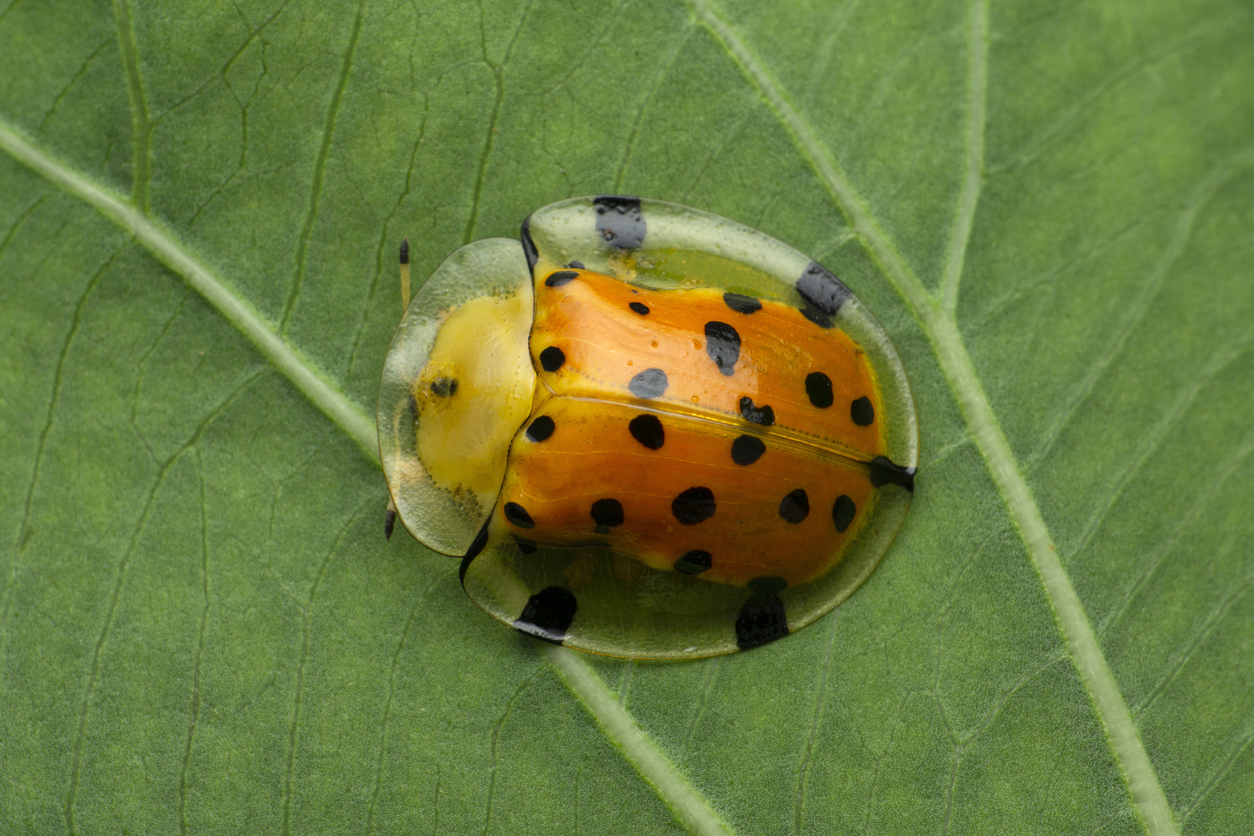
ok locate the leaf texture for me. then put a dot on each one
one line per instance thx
(201, 626)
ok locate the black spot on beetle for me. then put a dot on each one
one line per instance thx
(862, 412)
(821, 289)
(541, 428)
(843, 513)
(548, 614)
(819, 388)
(518, 515)
(767, 586)
(722, 343)
(817, 317)
(649, 383)
(795, 507)
(761, 621)
(647, 429)
(619, 221)
(885, 472)
(445, 387)
(560, 278)
(763, 415)
(552, 358)
(639, 307)
(693, 563)
(747, 449)
(529, 246)
(607, 514)
(742, 304)
(695, 505)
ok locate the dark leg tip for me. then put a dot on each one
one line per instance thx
(389, 524)
(405, 251)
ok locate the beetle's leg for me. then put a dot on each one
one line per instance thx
(390, 522)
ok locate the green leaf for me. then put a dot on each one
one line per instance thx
(201, 628)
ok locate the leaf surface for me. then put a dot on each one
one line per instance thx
(201, 627)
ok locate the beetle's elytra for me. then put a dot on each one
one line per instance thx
(647, 430)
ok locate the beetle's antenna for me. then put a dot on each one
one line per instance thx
(405, 274)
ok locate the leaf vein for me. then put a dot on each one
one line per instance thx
(834, 32)
(662, 71)
(387, 701)
(496, 736)
(712, 150)
(1208, 627)
(880, 757)
(57, 379)
(309, 380)
(489, 141)
(1183, 521)
(69, 85)
(707, 685)
(384, 232)
(141, 124)
(989, 716)
(194, 709)
(315, 190)
(1201, 195)
(960, 236)
(141, 364)
(293, 737)
(1214, 780)
(1042, 139)
(814, 722)
(19, 222)
(120, 573)
(592, 48)
(1048, 278)
(1151, 441)
(1069, 613)
(692, 810)
(816, 154)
